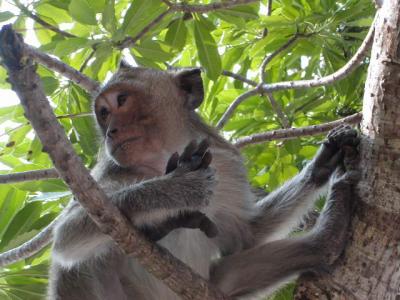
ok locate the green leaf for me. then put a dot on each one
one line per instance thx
(50, 84)
(21, 223)
(139, 14)
(5, 15)
(152, 50)
(98, 5)
(66, 47)
(3, 83)
(207, 49)
(176, 34)
(108, 17)
(11, 200)
(51, 12)
(86, 134)
(81, 11)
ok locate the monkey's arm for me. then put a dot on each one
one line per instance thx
(264, 268)
(187, 187)
(281, 211)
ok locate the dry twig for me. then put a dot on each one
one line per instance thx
(292, 133)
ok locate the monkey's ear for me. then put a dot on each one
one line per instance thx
(190, 81)
(123, 64)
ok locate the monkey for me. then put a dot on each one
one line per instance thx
(157, 160)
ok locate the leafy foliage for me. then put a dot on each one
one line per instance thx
(235, 39)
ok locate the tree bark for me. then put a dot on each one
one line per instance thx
(370, 267)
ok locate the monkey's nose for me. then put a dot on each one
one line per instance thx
(112, 132)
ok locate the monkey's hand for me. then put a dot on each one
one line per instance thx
(330, 155)
(193, 174)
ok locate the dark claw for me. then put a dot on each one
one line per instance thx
(202, 148)
(206, 161)
(188, 152)
(172, 163)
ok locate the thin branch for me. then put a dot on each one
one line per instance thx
(29, 176)
(7, 132)
(239, 77)
(278, 109)
(77, 115)
(158, 261)
(42, 22)
(30, 247)
(56, 65)
(203, 8)
(269, 8)
(228, 113)
(129, 41)
(85, 63)
(268, 58)
(350, 66)
(292, 133)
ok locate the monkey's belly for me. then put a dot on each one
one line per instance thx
(190, 246)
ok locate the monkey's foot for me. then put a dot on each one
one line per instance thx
(342, 136)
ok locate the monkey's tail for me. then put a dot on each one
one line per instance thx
(29, 248)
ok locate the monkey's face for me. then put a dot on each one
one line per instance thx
(144, 123)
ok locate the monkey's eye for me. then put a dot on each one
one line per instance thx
(104, 112)
(121, 99)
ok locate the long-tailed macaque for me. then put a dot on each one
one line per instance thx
(148, 116)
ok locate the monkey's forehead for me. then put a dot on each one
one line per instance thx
(139, 79)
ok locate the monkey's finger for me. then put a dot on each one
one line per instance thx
(202, 148)
(172, 163)
(206, 160)
(188, 152)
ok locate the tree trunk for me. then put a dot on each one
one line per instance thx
(370, 268)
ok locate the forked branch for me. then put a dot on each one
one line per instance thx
(350, 66)
(56, 65)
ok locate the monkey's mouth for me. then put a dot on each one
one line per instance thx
(121, 145)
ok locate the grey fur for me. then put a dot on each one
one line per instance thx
(251, 254)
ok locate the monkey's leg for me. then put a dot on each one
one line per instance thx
(281, 211)
(263, 268)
